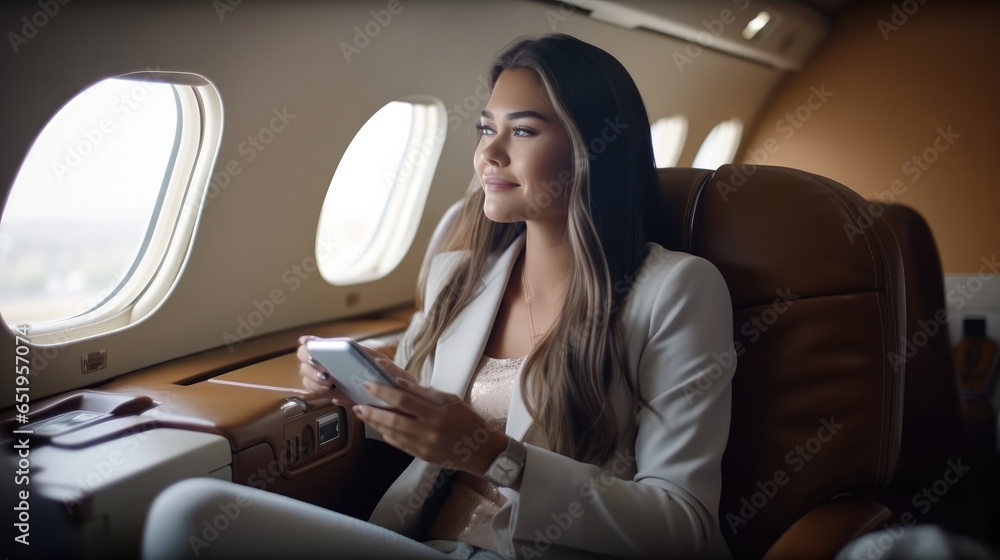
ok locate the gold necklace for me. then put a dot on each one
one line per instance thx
(527, 297)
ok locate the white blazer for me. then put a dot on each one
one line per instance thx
(659, 494)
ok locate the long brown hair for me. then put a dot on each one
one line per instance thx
(575, 368)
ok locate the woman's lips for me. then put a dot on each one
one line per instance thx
(498, 184)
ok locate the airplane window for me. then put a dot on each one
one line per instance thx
(720, 145)
(669, 135)
(95, 202)
(377, 194)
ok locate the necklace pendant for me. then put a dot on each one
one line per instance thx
(531, 318)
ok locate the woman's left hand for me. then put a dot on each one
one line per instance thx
(432, 425)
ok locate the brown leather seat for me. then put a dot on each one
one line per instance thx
(941, 430)
(818, 309)
(933, 427)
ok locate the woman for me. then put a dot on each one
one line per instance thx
(545, 385)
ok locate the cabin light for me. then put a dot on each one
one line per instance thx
(755, 25)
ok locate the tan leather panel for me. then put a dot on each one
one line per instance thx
(276, 374)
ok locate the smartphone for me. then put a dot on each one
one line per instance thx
(350, 367)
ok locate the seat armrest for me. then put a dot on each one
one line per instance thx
(826, 529)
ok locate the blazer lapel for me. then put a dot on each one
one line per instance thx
(461, 346)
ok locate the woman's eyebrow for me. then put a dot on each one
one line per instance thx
(518, 115)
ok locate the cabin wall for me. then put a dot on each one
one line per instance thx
(909, 115)
(266, 56)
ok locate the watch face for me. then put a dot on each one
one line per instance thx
(504, 470)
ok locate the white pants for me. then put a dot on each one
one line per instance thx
(205, 517)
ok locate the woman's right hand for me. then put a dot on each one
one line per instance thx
(316, 379)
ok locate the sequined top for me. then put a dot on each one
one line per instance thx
(466, 513)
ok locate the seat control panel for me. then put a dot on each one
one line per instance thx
(310, 432)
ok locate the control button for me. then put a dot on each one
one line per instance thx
(294, 406)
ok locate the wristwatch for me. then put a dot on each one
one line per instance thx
(507, 466)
